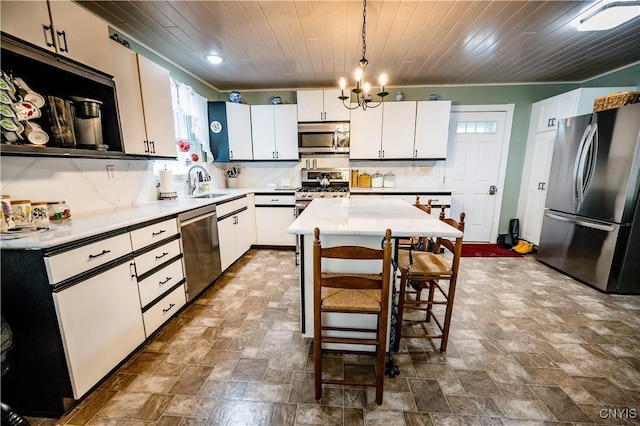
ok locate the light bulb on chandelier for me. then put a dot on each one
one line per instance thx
(361, 91)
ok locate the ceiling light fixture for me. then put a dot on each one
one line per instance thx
(610, 15)
(214, 59)
(362, 86)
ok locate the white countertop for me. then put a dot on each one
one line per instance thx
(401, 190)
(369, 216)
(99, 222)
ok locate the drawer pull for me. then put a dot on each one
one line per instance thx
(275, 199)
(161, 283)
(93, 256)
(155, 234)
(162, 255)
(171, 305)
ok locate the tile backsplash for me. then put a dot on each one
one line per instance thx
(86, 185)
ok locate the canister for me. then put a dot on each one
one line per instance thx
(40, 214)
(7, 214)
(364, 180)
(376, 180)
(58, 210)
(354, 178)
(22, 212)
(389, 180)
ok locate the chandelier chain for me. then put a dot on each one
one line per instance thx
(364, 28)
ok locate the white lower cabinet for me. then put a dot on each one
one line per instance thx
(101, 324)
(160, 312)
(236, 230)
(272, 224)
(159, 282)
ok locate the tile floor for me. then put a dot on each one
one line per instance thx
(528, 346)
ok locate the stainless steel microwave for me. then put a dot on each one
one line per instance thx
(323, 138)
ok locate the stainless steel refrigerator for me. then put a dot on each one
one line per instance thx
(591, 224)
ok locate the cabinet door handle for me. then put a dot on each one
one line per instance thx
(273, 154)
(64, 39)
(146, 146)
(132, 268)
(161, 283)
(416, 154)
(277, 154)
(152, 149)
(105, 251)
(171, 305)
(230, 154)
(383, 153)
(155, 234)
(379, 154)
(162, 255)
(48, 29)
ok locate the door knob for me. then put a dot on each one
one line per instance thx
(492, 190)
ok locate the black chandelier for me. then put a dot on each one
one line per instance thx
(362, 86)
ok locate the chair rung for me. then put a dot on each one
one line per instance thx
(348, 382)
(352, 329)
(350, 341)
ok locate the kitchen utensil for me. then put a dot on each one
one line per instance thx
(7, 214)
(354, 178)
(364, 180)
(25, 110)
(35, 134)
(40, 214)
(389, 180)
(27, 94)
(87, 123)
(59, 113)
(377, 180)
(22, 212)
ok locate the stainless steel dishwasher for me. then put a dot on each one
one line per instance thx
(201, 248)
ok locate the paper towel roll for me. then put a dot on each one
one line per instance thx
(167, 184)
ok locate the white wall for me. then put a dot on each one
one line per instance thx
(83, 183)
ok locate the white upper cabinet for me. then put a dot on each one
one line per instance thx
(274, 130)
(365, 133)
(71, 31)
(432, 129)
(144, 102)
(398, 129)
(230, 131)
(385, 132)
(321, 105)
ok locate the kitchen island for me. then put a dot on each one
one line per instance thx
(356, 221)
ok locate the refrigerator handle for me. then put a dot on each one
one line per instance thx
(590, 156)
(593, 225)
(578, 167)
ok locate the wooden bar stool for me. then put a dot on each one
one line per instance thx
(429, 271)
(412, 243)
(351, 293)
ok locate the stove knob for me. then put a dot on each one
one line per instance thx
(321, 195)
(341, 195)
(335, 195)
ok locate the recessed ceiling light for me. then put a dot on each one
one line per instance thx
(214, 59)
(610, 15)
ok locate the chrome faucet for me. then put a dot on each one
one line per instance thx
(191, 187)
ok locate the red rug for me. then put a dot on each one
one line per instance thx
(486, 250)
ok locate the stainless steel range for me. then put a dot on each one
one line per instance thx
(322, 183)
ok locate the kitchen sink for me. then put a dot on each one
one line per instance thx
(210, 195)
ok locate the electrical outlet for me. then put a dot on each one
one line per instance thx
(111, 171)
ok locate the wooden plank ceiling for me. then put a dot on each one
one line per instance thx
(302, 44)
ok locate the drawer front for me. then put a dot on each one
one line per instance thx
(275, 200)
(156, 284)
(163, 310)
(73, 262)
(231, 206)
(153, 233)
(156, 257)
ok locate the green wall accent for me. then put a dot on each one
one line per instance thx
(523, 96)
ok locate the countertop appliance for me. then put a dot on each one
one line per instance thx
(323, 138)
(591, 224)
(201, 248)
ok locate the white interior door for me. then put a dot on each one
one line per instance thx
(476, 157)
